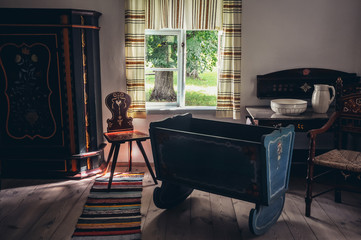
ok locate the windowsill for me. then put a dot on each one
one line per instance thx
(179, 110)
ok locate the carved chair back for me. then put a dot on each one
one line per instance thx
(348, 106)
(118, 104)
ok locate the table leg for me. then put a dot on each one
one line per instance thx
(114, 163)
(147, 161)
(130, 156)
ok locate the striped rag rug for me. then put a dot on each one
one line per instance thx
(113, 214)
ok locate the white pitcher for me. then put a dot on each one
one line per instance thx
(321, 98)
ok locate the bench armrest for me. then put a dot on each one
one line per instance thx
(314, 132)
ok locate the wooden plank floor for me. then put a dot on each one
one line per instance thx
(49, 209)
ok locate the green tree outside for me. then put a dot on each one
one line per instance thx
(201, 62)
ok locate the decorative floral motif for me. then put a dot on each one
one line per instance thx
(28, 91)
(306, 71)
(279, 150)
(305, 87)
(358, 101)
(352, 106)
(118, 103)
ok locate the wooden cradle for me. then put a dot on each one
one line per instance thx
(250, 163)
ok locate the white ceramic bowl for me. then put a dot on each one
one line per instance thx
(288, 106)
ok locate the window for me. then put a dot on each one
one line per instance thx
(163, 72)
(181, 68)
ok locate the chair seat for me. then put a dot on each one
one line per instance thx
(341, 159)
(125, 136)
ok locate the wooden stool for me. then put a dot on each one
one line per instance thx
(117, 138)
(120, 130)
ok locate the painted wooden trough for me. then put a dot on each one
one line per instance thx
(245, 162)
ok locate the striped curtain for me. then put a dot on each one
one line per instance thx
(205, 14)
(170, 14)
(184, 14)
(134, 56)
(165, 14)
(229, 79)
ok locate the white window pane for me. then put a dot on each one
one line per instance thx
(161, 51)
(161, 86)
(201, 68)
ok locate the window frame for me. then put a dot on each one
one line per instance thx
(180, 67)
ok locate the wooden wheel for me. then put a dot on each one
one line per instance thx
(170, 195)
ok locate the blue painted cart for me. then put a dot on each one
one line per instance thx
(245, 162)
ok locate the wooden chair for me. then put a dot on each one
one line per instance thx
(345, 159)
(120, 130)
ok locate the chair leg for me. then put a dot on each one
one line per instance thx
(110, 153)
(130, 156)
(114, 163)
(338, 195)
(147, 161)
(309, 181)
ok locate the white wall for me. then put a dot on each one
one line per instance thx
(276, 35)
(284, 34)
